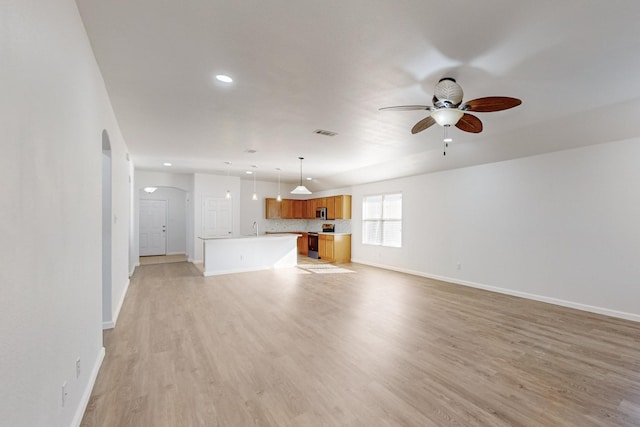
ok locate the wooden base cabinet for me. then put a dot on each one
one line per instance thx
(303, 244)
(335, 248)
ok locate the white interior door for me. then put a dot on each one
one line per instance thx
(216, 217)
(153, 227)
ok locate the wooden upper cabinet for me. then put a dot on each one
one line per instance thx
(331, 207)
(298, 209)
(273, 209)
(321, 202)
(311, 209)
(338, 207)
(342, 207)
(287, 208)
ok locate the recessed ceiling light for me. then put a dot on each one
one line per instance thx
(167, 164)
(249, 172)
(309, 178)
(223, 78)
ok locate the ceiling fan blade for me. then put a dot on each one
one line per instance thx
(407, 108)
(469, 123)
(491, 103)
(422, 125)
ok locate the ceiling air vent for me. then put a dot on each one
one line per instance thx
(324, 132)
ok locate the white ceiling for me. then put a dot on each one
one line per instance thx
(304, 65)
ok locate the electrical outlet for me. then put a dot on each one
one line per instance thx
(459, 266)
(78, 368)
(64, 393)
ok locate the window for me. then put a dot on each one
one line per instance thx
(382, 220)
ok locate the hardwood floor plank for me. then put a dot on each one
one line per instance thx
(370, 348)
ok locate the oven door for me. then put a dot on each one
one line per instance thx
(313, 246)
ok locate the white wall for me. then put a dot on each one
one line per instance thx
(176, 216)
(560, 227)
(53, 110)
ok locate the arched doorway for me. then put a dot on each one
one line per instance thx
(163, 217)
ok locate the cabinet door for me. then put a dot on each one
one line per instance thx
(311, 209)
(329, 249)
(322, 246)
(298, 209)
(303, 244)
(331, 208)
(287, 208)
(273, 209)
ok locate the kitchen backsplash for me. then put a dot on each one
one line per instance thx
(286, 225)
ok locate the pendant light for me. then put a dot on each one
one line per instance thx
(279, 198)
(301, 189)
(228, 195)
(255, 193)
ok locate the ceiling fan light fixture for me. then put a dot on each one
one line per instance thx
(301, 189)
(447, 116)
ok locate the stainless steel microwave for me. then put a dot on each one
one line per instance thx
(321, 213)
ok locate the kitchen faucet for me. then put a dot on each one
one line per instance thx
(255, 226)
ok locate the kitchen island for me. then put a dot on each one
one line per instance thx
(227, 255)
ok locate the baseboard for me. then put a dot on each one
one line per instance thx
(108, 325)
(175, 253)
(82, 406)
(112, 324)
(564, 303)
(120, 303)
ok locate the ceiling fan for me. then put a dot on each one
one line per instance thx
(449, 110)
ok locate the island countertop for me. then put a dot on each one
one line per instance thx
(261, 236)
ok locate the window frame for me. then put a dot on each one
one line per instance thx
(381, 221)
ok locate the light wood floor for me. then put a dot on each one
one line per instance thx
(371, 348)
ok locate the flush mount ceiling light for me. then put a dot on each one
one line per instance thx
(150, 189)
(300, 189)
(223, 78)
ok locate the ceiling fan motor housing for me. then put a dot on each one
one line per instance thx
(447, 94)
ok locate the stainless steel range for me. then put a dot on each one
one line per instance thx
(313, 239)
(313, 245)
